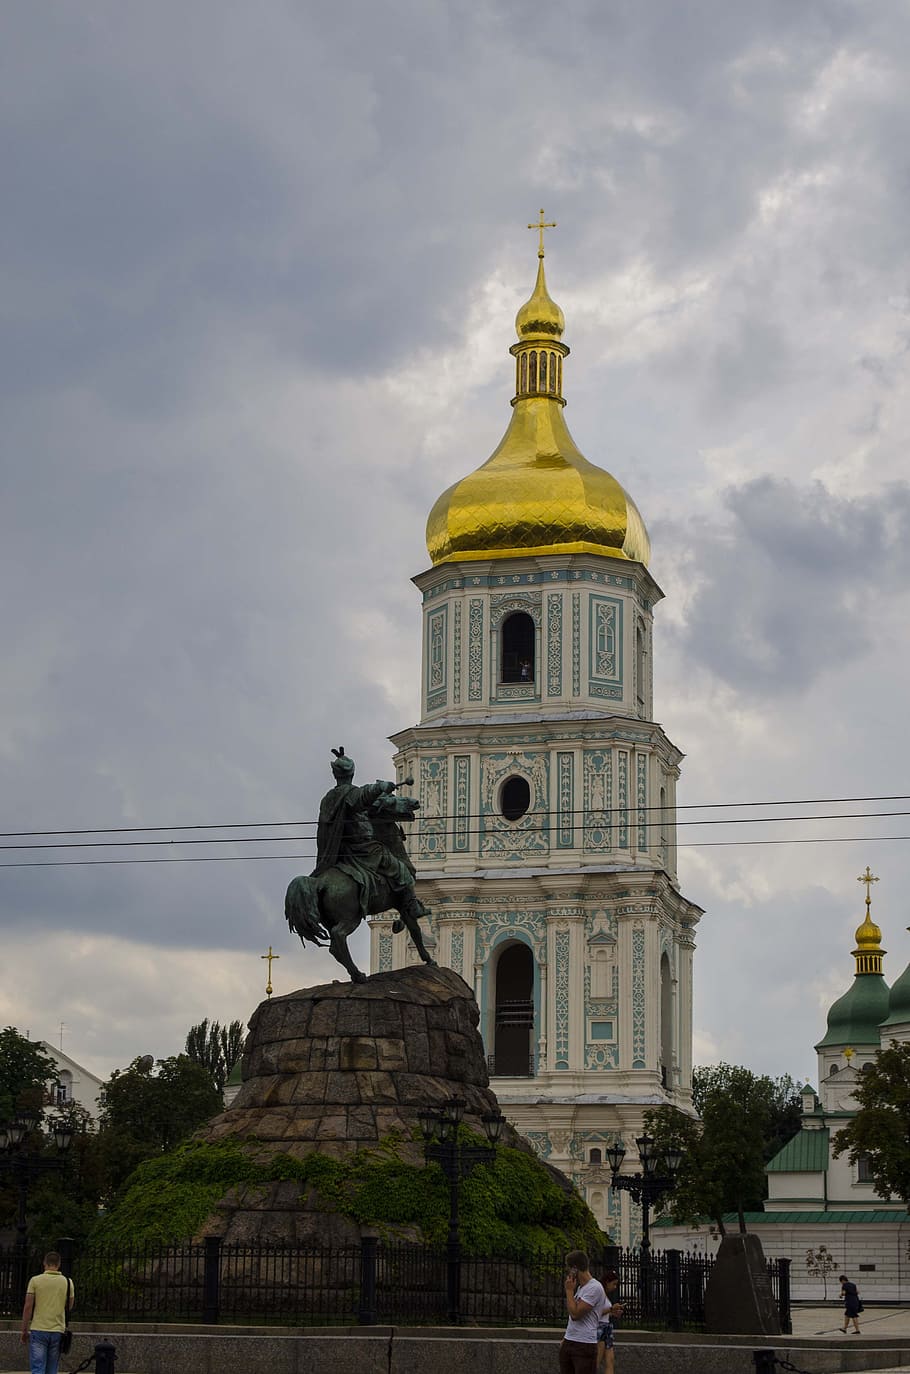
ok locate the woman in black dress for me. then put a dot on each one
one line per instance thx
(851, 1304)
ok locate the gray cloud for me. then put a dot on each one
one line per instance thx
(781, 593)
(238, 258)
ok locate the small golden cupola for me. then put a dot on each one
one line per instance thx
(868, 953)
(537, 493)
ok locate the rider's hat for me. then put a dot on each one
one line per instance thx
(342, 766)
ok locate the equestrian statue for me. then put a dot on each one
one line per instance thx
(362, 866)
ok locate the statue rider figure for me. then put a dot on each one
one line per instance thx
(345, 840)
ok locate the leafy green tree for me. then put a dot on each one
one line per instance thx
(66, 1203)
(881, 1127)
(745, 1119)
(217, 1048)
(25, 1072)
(148, 1108)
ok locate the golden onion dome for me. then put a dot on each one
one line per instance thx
(537, 493)
(868, 952)
(540, 316)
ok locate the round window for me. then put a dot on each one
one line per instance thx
(515, 798)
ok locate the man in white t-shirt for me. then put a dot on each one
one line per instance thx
(585, 1299)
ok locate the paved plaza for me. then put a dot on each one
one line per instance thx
(827, 1322)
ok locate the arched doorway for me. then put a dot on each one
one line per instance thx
(513, 1046)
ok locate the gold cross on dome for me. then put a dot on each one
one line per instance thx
(271, 958)
(542, 224)
(868, 878)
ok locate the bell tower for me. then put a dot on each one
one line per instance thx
(545, 845)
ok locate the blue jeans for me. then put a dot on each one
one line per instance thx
(43, 1351)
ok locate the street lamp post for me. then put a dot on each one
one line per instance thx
(441, 1146)
(657, 1177)
(659, 1169)
(23, 1165)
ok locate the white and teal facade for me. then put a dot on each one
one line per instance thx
(545, 844)
(818, 1201)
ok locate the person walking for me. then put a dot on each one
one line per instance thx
(852, 1304)
(585, 1299)
(48, 1298)
(606, 1356)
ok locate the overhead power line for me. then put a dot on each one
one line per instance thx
(279, 825)
(629, 814)
(310, 858)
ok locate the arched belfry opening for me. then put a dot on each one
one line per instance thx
(513, 1042)
(666, 1022)
(516, 663)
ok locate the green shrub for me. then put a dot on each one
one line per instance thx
(508, 1208)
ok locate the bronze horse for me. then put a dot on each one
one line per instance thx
(327, 907)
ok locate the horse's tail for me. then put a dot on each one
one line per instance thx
(301, 907)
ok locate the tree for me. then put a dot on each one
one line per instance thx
(66, 1203)
(819, 1264)
(745, 1119)
(147, 1109)
(217, 1048)
(25, 1072)
(881, 1128)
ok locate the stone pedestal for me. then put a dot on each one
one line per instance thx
(337, 1068)
(738, 1296)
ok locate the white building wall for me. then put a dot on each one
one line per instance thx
(79, 1083)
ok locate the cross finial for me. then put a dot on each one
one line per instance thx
(868, 878)
(542, 224)
(271, 958)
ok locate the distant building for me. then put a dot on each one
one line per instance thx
(814, 1199)
(234, 1083)
(74, 1083)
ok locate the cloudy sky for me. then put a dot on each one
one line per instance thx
(259, 272)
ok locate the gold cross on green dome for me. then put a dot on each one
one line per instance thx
(868, 878)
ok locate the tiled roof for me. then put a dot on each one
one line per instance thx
(806, 1153)
(817, 1218)
(858, 1218)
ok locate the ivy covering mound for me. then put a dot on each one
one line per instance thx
(508, 1208)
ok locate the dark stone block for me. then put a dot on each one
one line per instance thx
(353, 1018)
(738, 1296)
(309, 1088)
(361, 1124)
(392, 1055)
(358, 1053)
(385, 1019)
(377, 1088)
(294, 1056)
(342, 1089)
(332, 1127)
(417, 1090)
(323, 1018)
(413, 1020)
(417, 1048)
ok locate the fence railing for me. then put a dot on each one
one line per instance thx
(373, 1282)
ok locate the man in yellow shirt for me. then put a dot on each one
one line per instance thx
(48, 1299)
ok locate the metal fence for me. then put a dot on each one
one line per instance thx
(373, 1282)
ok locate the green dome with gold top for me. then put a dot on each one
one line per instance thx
(855, 1018)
